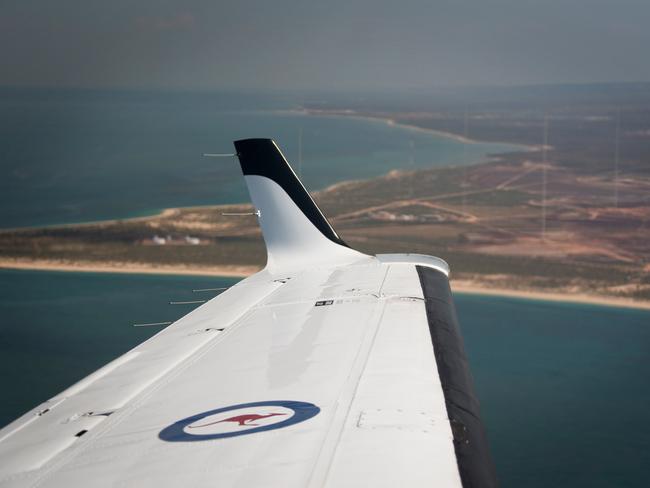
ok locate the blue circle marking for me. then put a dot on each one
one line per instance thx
(177, 432)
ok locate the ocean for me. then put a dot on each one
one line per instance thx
(563, 387)
(75, 156)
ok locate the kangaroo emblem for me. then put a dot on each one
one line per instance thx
(242, 420)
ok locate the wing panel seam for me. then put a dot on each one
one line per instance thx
(323, 464)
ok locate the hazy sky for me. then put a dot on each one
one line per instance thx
(331, 44)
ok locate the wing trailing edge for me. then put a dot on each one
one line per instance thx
(296, 232)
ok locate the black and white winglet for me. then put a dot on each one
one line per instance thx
(329, 367)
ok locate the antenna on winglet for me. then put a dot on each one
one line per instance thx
(296, 232)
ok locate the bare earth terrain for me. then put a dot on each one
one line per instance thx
(485, 220)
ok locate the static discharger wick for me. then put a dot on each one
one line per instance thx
(151, 324)
(188, 302)
(238, 214)
(219, 155)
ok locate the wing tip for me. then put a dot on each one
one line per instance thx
(260, 156)
(292, 224)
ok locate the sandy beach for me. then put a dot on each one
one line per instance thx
(123, 267)
(394, 123)
(461, 286)
(458, 286)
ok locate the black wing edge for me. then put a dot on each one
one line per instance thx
(262, 157)
(470, 440)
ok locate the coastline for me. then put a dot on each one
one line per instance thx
(461, 285)
(87, 223)
(163, 212)
(126, 268)
(394, 123)
(473, 288)
(458, 286)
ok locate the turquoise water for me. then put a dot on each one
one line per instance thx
(72, 156)
(563, 387)
(57, 327)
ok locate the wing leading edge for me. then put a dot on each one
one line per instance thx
(328, 368)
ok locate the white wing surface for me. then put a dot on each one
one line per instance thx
(328, 368)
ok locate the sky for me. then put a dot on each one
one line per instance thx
(367, 45)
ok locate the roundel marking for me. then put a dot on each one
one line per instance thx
(237, 420)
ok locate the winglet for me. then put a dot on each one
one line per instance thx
(295, 230)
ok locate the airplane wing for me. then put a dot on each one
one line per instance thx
(328, 368)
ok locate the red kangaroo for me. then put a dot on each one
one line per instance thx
(243, 420)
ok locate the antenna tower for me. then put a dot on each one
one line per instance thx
(616, 155)
(544, 177)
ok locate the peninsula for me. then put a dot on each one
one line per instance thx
(552, 221)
